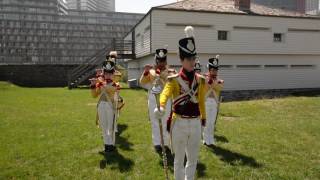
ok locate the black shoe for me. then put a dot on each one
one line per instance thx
(108, 148)
(157, 148)
(112, 148)
(209, 145)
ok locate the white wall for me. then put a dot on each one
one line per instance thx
(142, 37)
(244, 41)
(249, 58)
(261, 72)
(135, 67)
(312, 7)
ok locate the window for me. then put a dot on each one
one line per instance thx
(251, 28)
(303, 66)
(43, 25)
(184, 25)
(303, 30)
(249, 66)
(273, 66)
(277, 37)
(222, 35)
(142, 41)
(226, 67)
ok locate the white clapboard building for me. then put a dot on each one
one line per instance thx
(260, 48)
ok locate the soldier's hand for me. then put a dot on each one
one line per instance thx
(220, 81)
(100, 84)
(93, 82)
(159, 113)
(219, 85)
(147, 67)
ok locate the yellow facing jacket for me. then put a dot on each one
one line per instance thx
(172, 89)
(216, 87)
(149, 77)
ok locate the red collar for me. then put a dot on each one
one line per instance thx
(109, 81)
(184, 76)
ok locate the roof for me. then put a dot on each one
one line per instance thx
(228, 6)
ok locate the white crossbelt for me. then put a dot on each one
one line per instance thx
(188, 91)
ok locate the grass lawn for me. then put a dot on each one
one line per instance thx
(50, 133)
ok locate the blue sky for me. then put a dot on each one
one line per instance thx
(139, 6)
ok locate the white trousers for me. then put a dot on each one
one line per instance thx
(186, 136)
(211, 113)
(155, 122)
(105, 112)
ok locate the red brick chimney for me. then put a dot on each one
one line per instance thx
(243, 5)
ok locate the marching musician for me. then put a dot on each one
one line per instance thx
(147, 80)
(187, 89)
(214, 86)
(108, 104)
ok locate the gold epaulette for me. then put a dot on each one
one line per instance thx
(171, 77)
(117, 73)
(200, 78)
(152, 72)
(200, 75)
(173, 71)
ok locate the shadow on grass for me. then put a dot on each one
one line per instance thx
(122, 142)
(201, 168)
(234, 158)
(111, 158)
(222, 139)
(170, 159)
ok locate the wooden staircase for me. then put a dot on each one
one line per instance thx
(83, 72)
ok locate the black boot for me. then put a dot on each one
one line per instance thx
(112, 148)
(106, 148)
(109, 148)
(158, 148)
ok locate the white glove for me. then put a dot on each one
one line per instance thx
(158, 113)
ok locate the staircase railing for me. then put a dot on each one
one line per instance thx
(82, 72)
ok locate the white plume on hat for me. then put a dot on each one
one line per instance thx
(113, 53)
(189, 31)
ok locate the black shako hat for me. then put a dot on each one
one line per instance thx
(187, 46)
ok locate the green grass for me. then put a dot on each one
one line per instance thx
(50, 133)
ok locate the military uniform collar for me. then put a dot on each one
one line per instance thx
(184, 76)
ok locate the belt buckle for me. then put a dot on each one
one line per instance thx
(188, 117)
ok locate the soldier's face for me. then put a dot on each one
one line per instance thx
(108, 75)
(99, 72)
(161, 64)
(189, 63)
(198, 71)
(213, 72)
